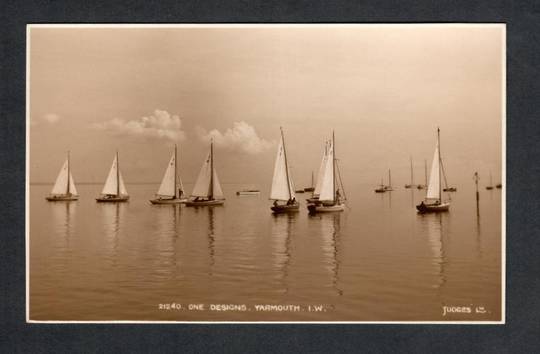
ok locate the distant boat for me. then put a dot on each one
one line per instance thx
(422, 186)
(248, 192)
(433, 201)
(385, 188)
(490, 187)
(114, 189)
(317, 190)
(207, 190)
(309, 189)
(446, 188)
(64, 187)
(282, 185)
(330, 199)
(382, 188)
(171, 190)
(412, 179)
(498, 186)
(299, 191)
(389, 187)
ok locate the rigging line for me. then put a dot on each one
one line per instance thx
(340, 181)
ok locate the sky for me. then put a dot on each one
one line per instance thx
(384, 90)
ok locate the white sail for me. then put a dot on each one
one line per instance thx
(202, 185)
(114, 177)
(72, 188)
(61, 184)
(167, 187)
(327, 184)
(433, 191)
(322, 168)
(218, 192)
(282, 187)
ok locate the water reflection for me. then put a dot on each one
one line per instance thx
(282, 225)
(166, 234)
(111, 213)
(433, 227)
(63, 216)
(330, 231)
(211, 233)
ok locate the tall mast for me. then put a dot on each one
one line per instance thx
(68, 174)
(312, 179)
(175, 171)
(286, 164)
(334, 165)
(117, 175)
(412, 179)
(211, 194)
(425, 172)
(439, 149)
(389, 178)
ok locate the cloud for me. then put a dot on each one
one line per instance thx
(51, 118)
(242, 137)
(159, 125)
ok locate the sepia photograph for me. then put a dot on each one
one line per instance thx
(275, 173)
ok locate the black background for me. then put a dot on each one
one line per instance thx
(521, 332)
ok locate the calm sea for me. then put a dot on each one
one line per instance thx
(377, 261)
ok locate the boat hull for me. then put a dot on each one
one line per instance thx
(62, 198)
(248, 193)
(321, 208)
(112, 199)
(312, 200)
(214, 202)
(309, 189)
(432, 208)
(451, 189)
(380, 190)
(169, 201)
(285, 208)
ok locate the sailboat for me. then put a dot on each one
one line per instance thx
(322, 167)
(312, 188)
(207, 190)
(64, 187)
(389, 187)
(412, 179)
(381, 188)
(490, 187)
(330, 198)
(446, 188)
(433, 201)
(422, 186)
(282, 185)
(114, 189)
(171, 190)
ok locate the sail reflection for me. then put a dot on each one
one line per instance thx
(330, 231)
(433, 226)
(165, 236)
(112, 214)
(282, 225)
(63, 215)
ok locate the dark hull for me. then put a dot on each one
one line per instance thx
(309, 189)
(285, 208)
(432, 208)
(214, 202)
(112, 200)
(62, 198)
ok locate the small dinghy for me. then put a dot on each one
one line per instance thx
(282, 185)
(171, 190)
(249, 192)
(64, 187)
(311, 188)
(490, 187)
(114, 189)
(330, 199)
(433, 201)
(411, 185)
(422, 186)
(207, 190)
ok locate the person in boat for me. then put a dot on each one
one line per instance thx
(196, 199)
(275, 203)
